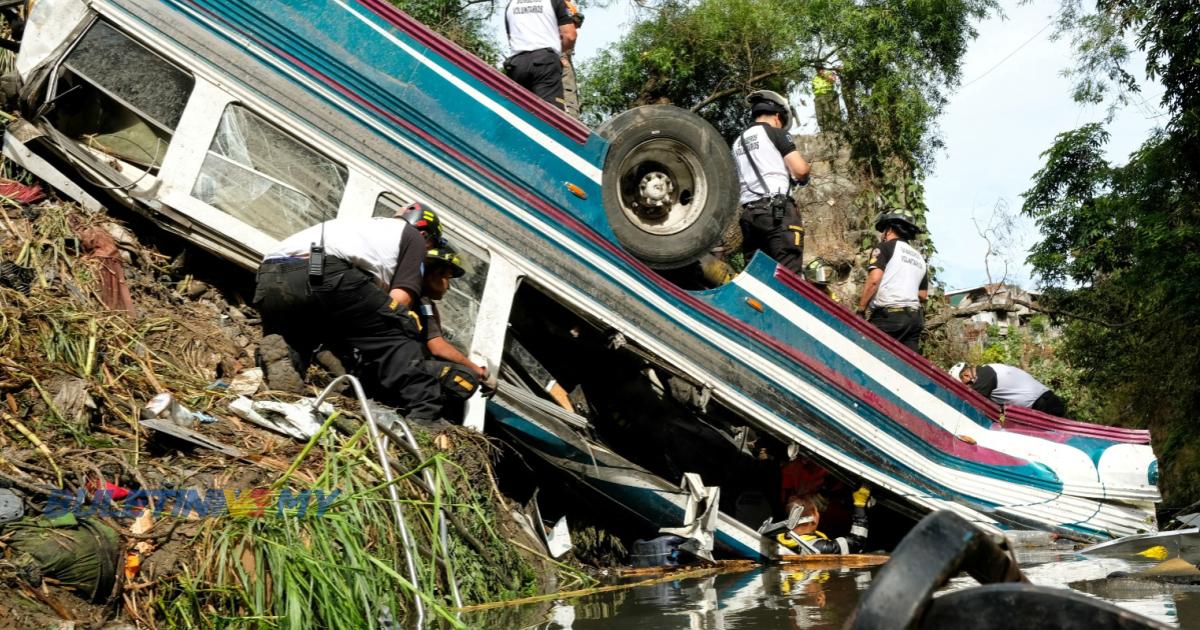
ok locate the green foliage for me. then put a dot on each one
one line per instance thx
(464, 22)
(1119, 250)
(896, 60)
(343, 568)
(598, 548)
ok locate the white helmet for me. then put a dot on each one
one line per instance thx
(957, 369)
(768, 102)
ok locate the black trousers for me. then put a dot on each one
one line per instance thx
(539, 71)
(902, 325)
(1050, 403)
(782, 238)
(347, 312)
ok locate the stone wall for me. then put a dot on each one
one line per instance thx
(834, 214)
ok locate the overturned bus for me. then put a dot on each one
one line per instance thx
(238, 122)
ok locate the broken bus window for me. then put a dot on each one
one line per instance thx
(118, 97)
(259, 174)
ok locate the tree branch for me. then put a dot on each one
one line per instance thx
(951, 314)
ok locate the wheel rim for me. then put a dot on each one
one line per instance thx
(662, 188)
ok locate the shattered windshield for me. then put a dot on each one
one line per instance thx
(132, 74)
(264, 177)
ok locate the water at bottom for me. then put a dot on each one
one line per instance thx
(775, 597)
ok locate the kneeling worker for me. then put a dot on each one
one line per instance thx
(350, 283)
(458, 375)
(1008, 385)
(804, 538)
(897, 281)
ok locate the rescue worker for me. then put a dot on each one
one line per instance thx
(350, 284)
(426, 221)
(767, 164)
(458, 375)
(825, 100)
(806, 539)
(897, 281)
(1008, 385)
(570, 83)
(540, 32)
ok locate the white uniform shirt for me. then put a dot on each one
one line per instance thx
(905, 273)
(1015, 386)
(533, 24)
(373, 245)
(767, 146)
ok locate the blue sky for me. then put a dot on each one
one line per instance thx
(1012, 103)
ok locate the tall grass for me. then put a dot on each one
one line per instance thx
(342, 569)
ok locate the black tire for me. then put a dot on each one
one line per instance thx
(670, 185)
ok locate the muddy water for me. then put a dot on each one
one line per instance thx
(774, 598)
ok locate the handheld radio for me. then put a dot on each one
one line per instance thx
(316, 257)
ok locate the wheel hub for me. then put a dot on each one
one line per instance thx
(661, 190)
(655, 193)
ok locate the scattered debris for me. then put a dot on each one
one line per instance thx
(165, 407)
(21, 193)
(102, 248)
(80, 553)
(11, 506)
(247, 383)
(16, 277)
(195, 438)
(296, 420)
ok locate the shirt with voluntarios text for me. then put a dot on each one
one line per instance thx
(533, 24)
(767, 146)
(905, 273)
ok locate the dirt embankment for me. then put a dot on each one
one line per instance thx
(207, 520)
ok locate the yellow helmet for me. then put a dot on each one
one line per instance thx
(446, 255)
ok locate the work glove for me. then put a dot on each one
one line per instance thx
(862, 496)
(395, 306)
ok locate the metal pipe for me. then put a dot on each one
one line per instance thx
(443, 534)
(397, 511)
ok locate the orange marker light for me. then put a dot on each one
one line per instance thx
(575, 190)
(755, 304)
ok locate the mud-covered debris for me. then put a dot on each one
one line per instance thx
(83, 554)
(276, 359)
(73, 402)
(102, 248)
(11, 506)
(247, 383)
(16, 277)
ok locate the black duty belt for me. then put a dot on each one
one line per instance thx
(288, 263)
(763, 202)
(284, 260)
(898, 309)
(526, 52)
